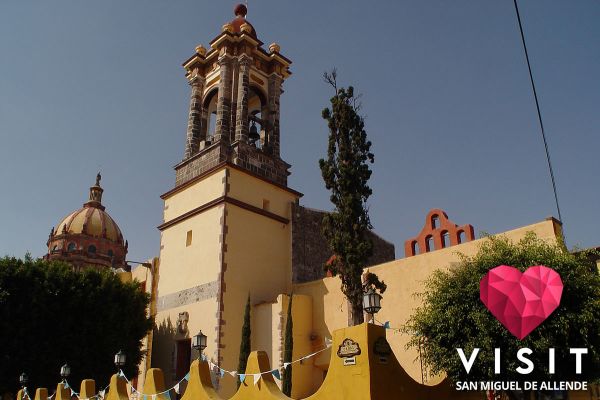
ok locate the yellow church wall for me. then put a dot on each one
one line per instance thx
(184, 266)
(258, 262)
(404, 277)
(253, 191)
(197, 194)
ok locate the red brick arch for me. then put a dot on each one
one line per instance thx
(436, 225)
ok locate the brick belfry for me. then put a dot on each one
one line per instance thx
(234, 107)
(227, 223)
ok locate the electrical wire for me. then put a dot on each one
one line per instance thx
(537, 105)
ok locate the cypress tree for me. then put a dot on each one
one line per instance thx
(245, 344)
(346, 174)
(286, 384)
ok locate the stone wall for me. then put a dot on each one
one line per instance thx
(310, 250)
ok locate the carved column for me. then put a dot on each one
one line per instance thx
(275, 82)
(241, 123)
(194, 128)
(222, 127)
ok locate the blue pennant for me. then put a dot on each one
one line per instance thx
(386, 324)
(276, 374)
(187, 376)
(242, 377)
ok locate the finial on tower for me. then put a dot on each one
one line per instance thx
(240, 9)
(95, 199)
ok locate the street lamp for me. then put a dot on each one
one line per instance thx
(23, 379)
(65, 371)
(120, 359)
(371, 302)
(199, 343)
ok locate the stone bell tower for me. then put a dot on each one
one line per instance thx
(226, 232)
(234, 107)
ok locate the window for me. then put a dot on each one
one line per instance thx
(435, 221)
(461, 237)
(71, 247)
(413, 246)
(188, 239)
(91, 248)
(445, 239)
(429, 243)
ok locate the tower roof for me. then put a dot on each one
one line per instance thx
(240, 11)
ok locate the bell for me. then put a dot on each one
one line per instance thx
(253, 136)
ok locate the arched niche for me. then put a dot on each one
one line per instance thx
(258, 132)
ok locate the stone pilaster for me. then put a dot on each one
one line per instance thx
(194, 128)
(241, 124)
(275, 82)
(222, 127)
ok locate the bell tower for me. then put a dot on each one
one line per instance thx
(234, 106)
(226, 230)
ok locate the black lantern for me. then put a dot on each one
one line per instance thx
(120, 359)
(199, 342)
(23, 379)
(371, 301)
(65, 371)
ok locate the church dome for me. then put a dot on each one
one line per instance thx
(91, 221)
(88, 236)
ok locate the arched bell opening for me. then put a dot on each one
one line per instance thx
(258, 134)
(209, 116)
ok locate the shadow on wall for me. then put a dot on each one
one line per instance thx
(163, 342)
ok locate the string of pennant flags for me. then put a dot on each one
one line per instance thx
(213, 367)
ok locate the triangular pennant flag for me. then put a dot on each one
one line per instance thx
(285, 365)
(153, 397)
(101, 393)
(256, 378)
(176, 388)
(187, 376)
(167, 395)
(232, 373)
(328, 342)
(386, 324)
(221, 373)
(242, 377)
(276, 374)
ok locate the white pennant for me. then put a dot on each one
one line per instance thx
(285, 365)
(328, 342)
(153, 397)
(176, 388)
(232, 373)
(256, 378)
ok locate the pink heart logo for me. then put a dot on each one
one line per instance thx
(521, 301)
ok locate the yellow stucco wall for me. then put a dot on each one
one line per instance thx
(257, 258)
(245, 238)
(404, 277)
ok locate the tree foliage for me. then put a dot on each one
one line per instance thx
(50, 315)
(245, 344)
(286, 384)
(452, 316)
(346, 173)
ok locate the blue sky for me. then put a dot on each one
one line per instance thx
(99, 85)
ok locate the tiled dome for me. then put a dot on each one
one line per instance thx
(89, 236)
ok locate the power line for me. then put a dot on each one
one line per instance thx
(537, 105)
